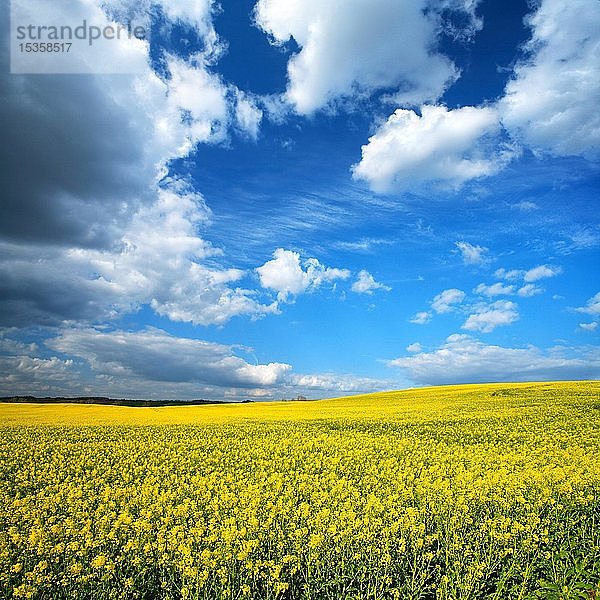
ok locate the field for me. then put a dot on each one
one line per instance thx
(464, 492)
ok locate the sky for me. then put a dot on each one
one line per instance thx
(302, 197)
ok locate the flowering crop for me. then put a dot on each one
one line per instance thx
(463, 492)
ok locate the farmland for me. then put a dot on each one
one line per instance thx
(462, 492)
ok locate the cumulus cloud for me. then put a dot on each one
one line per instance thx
(154, 355)
(91, 226)
(191, 106)
(551, 102)
(463, 359)
(83, 153)
(472, 254)
(285, 274)
(592, 306)
(549, 106)
(414, 347)
(500, 289)
(421, 318)
(12, 346)
(589, 326)
(21, 368)
(327, 383)
(541, 272)
(529, 275)
(168, 271)
(445, 301)
(365, 284)
(445, 146)
(156, 365)
(487, 317)
(160, 261)
(529, 289)
(37, 375)
(248, 115)
(60, 185)
(510, 275)
(349, 51)
(496, 289)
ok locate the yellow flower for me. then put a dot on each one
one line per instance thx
(368, 491)
(99, 561)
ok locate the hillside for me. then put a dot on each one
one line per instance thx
(475, 491)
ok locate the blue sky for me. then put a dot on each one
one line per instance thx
(305, 197)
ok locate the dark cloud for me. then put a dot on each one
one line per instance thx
(154, 355)
(71, 160)
(40, 286)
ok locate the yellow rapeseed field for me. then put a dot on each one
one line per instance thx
(463, 492)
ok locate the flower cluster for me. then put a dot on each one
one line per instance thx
(459, 492)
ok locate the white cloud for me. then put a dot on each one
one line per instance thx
(119, 54)
(27, 375)
(527, 206)
(486, 318)
(364, 244)
(195, 109)
(11, 346)
(285, 274)
(444, 302)
(496, 289)
(578, 237)
(541, 272)
(592, 306)
(161, 263)
(551, 103)
(528, 290)
(365, 284)
(191, 106)
(108, 238)
(421, 318)
(589, 326)
(463, 359)
(529, 276)
(196, 12)
(445, 146)
(248, 115)
(154, 355)
(549, 106)
(22, 371)
(333, 382)
(499, 289)
(153, 364)
(360, 47)
(415, 347)
(512, 275)
(472, 254)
